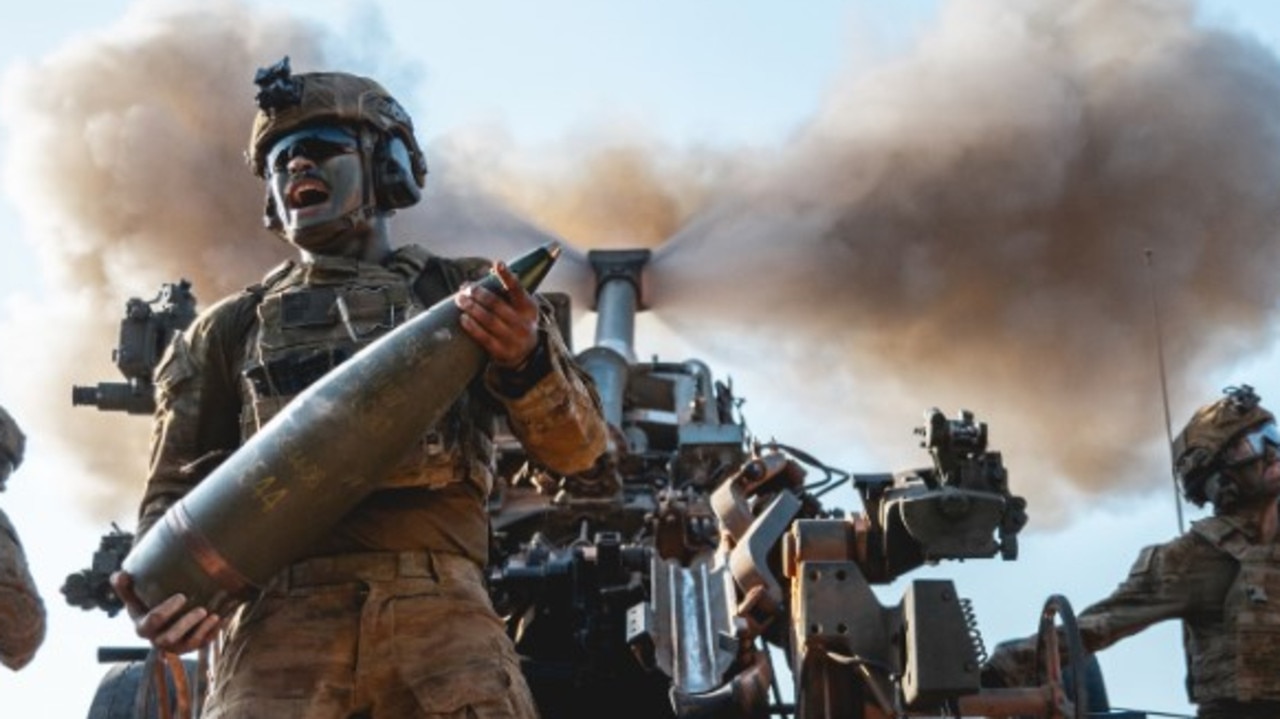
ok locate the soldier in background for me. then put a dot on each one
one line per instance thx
(1221, 578)
(22, 618)
(389, 615)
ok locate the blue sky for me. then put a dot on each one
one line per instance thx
(716, 73)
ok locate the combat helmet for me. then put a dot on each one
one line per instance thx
(1198, 449)
(288, 102)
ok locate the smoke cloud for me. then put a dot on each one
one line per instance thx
(963, 227)
(969, 227)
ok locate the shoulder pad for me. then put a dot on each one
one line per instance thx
(415, 261)
(277, 273)
(245, 300)
(228, 318)
(1215, 529)
(438, 276)
(1142, 564)
(1222, 533)
(415, 257)
(418, 257)
(473, 268)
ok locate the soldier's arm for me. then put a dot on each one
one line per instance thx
(196, 426)
(1165, 582)
(22, 613)
(197, 419)
(552, 405)
(1168, 581)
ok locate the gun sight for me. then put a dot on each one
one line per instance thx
(146, 330)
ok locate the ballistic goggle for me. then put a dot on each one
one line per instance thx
(1261, 436)
(315, 143)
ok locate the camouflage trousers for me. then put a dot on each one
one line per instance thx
(370, 636)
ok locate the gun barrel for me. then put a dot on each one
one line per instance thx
(84, 396)
(115, 397)
(618, 298)
(283, 490)
(616, 303)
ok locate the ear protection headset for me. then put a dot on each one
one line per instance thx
(391, 167)
(394, 185)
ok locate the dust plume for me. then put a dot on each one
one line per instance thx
(966, 227)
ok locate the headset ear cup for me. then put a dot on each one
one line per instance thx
(270, 215)
(1222, 492)
(394, 185)
(419, 169)
(1213, 487)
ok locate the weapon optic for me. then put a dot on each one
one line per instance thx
(90, 588)
(145, 332)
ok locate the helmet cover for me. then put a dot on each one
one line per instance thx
(287, 102)
(1198, 449)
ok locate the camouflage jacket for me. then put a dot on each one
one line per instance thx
(203, 395)
(1191, 578)
(22, 616)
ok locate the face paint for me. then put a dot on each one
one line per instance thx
(316, 178)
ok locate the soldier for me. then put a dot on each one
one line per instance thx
(1221, 578)
(389, 616)
(21, 609)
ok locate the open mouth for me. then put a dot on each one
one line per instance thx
(307, 192)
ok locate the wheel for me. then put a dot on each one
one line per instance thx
(1070, 697)
(126, 691)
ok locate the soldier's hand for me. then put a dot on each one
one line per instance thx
(505, 326)
(1012, 664)
(166, 626)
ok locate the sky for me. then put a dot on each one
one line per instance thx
(858, 210)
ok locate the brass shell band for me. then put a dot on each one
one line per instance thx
(206, 556)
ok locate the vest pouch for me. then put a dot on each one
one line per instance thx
(311, 322)
(1255, 598)
(1240, 661)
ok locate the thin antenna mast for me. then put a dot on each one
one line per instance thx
(1164, 383)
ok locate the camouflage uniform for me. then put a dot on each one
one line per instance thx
(1231, 618)
(1221, 578)
(22, 615)
(390, 616)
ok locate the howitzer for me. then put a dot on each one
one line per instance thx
(669, 580)
(145, 331)
(270, 501)
(665, 584)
